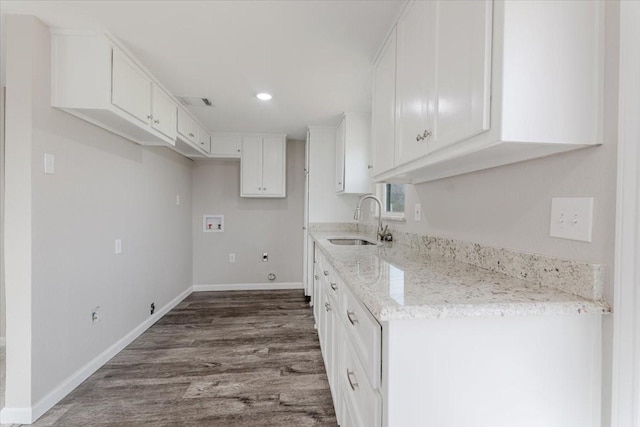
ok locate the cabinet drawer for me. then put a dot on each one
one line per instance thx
(362, 401)
(364, 333)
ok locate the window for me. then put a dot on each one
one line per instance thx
(392, 196)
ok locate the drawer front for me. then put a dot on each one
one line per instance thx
(364, 332)
(363, 404)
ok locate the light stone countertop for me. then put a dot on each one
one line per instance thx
(394, 282)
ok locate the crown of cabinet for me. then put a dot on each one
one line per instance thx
(469, 85)
(95, 78)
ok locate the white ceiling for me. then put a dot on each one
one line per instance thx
(314, 57)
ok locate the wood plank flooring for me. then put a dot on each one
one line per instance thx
(246, 358)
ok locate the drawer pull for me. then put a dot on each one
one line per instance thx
(326, 272)
(327, 306)
(352, 317)
(316, 277)
(334, 286)
(352, 383)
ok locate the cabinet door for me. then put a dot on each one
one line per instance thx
(225, 145)
(463, 73)
(163, 112)
(340, 144)
(186, 126)
(251, 166)
(415, 81)
(130, 87)
(273, 166)
(204, 139)
(384, 108)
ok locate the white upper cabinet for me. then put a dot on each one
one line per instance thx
(130, 87)
(187, 127)
(263, 166)
(340, 142)
(164, 112)
(204, 139)
(463, 71)
(415, 81)
(383, 112)
(353, 137)
(94, 77)
(226, 145)
(481, 84)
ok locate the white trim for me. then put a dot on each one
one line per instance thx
(247, 286)
(29, 415)
(625, 404)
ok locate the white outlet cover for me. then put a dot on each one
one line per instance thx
(572, 218)
(418, 212)
(232, 257)
(49, 164)
(118, 246)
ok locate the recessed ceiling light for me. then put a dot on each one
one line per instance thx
(263, 96)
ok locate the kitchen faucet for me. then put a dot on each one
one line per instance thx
(382, 234)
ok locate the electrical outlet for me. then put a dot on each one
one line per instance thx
(49, 164)
(232, 257)
(118, 246)
(418, 212)
(572, 218)
(178, 200)
(265, 257)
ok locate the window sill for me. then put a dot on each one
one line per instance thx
(397, 218)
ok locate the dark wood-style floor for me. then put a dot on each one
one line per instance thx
(217, 359)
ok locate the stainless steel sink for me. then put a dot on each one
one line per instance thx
(352, 242)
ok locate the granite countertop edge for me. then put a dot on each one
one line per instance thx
(383, 308)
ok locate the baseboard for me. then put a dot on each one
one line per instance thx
(15, 416)
(248, 287)
(30, 415)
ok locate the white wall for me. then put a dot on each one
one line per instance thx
(251, 225)
(63, 228)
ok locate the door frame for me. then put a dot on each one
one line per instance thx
(625, 410)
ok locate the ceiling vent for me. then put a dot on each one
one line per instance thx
(194, 101)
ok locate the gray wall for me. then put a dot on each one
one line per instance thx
(104, 188)
(252, 225)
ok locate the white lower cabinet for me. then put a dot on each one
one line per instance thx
(525, 371)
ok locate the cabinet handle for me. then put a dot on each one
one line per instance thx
(427, 133)
(369, 166)
(327, 306)
(316, 277)
(334, 286)
(326, 272)
(352, 383)
(149, 116)
(156, 121)
(264, 188)
(191, 135)
(352, 317)
(238, 150)
(259, 188)
(339, 183)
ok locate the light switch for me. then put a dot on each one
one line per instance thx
(418, 212)
(572, 218)
(118, 248)
(49, 163)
